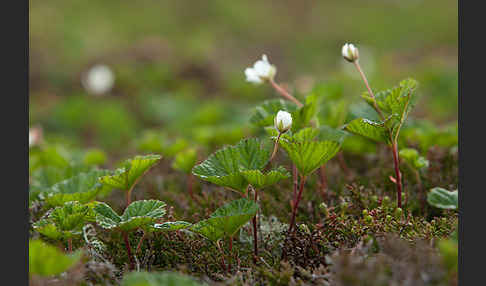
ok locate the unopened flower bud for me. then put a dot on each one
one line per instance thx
(350, 52)
(283, 121)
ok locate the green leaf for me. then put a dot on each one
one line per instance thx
(224, 166)
(226, 220)
(47, 260)
(259, 180)
(125, 178)
(66, 221)
(139, 214)
(412, 157)
(302, 116)
(158, 279)
(309, 155)
(83, 187)
(185, 160)
(106, 217)
(172, 225)
(395, 103)
(370, 129)
(443, 199)
(264, 114)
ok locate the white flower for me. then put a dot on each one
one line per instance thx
(98, 80)
(35, 136)
(283, 121)
(350, 52)
(261, 71)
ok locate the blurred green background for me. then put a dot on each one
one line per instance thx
(179, 65)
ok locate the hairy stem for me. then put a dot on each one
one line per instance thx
(396, 159)
(70, 244)
(361, 73)
(296, 204)
(285, 93)
(398, 175)
(129, 250)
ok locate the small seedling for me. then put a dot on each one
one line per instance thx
(234, 166)
(66, 222)
(138, 215)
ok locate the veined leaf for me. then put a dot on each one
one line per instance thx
(185, 160)
(83, 187)
(172, 225)
(259, 180)
(125, 178)
(395, 103)
(309, 155)
(66, 221)
(226, 220)
(443, 199)
(106, 217)
(264, 114)
(139, 214)
(158, 279)
(224, 166)
(370, 129)
(46, 260)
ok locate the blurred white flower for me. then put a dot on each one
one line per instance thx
(350, 52)
(35, 136)
(261, 71)
(98, 80)
(283, 121)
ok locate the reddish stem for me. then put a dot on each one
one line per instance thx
(223, 264)
(398, 175)
(296, 204)
(129, 250)
(70, 244)
(255, 235)
(139, 246)
(285, 93)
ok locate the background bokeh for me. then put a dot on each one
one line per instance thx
(179, 65)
